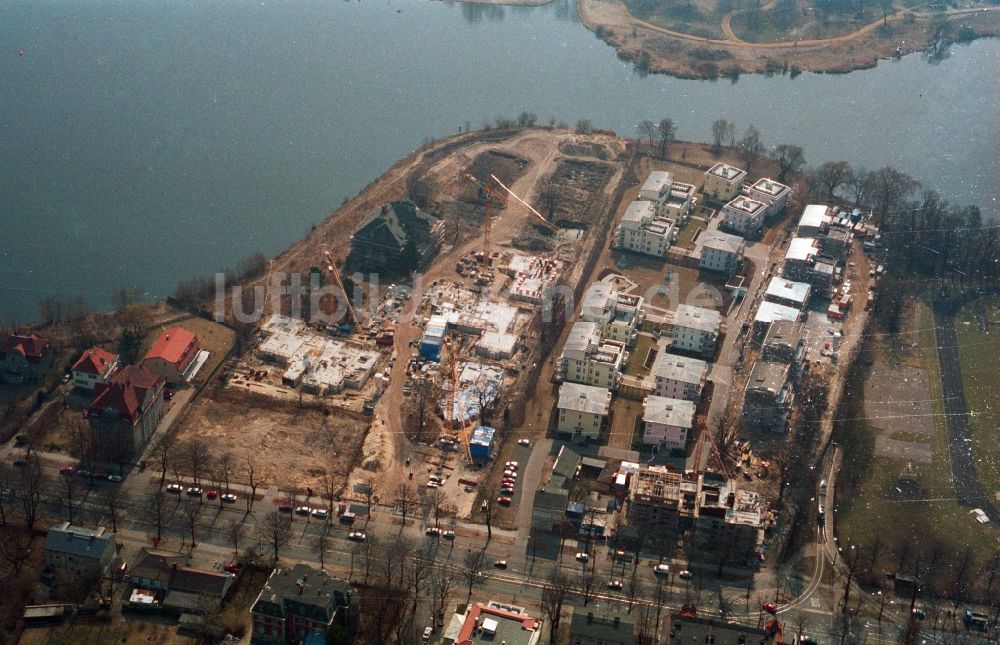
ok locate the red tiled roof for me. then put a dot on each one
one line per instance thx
(175, 345)
(465, 636)
(94, 361)
(32, 346)
(126, 392)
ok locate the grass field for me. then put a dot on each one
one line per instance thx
(870, 509)
(978, 349)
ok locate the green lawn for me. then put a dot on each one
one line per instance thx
(981, 379)
(868, 506)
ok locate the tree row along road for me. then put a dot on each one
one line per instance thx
(733, 41)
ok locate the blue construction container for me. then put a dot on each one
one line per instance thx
(430, 347)
(481, 444)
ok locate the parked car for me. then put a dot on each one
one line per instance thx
(511, 464)
(615, 585)
(115, 479)
(212, 493)
(685, 575)
(919, 613)
(448, 535)
(500, 564)
(510, 473)
(433, 531)
(302, 510)
(523, 442)
(194, 491)
(661, 569)
(320, 513)
(770, 607)
(357, 536)
(504, 500)
(175, 488)
(433, 484)
(285, 507)
(428, 632)
(67, 470)
(20, 463)
(506, 491)
(582, 556)
(229, 498)
(168, 394)
(231, 567)
(83, 472)
(67, 377)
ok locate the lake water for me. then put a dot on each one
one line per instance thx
(145, 142)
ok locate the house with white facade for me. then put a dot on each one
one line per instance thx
(667, 422)
(582, 410)
(696, 330)
(800, 259)
(657, 186)
(721, 252)
(770, 192)
(96, 365)
(589, 360)
(79, 551)
(744, 215)
(619, 314)
(723, 182)
(673, 199)
(678, 377)
(788, 292)
(642, 230)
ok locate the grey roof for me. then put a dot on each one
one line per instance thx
(671, 412)
(582, 335)
(769, 312)
(787, 289)
(78, 541)
(598, 295)
(691, 317)
(551, 498)
(815, 216)
(727, 172)
(727, 242)
(688, 630)
(769, 377)
(566, 464)
(303, 591)
(602, 626)
(679, 368)
(638, 211)
(584, 398)
(658, 180)
(785, 332)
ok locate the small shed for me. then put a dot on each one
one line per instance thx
(481, 444)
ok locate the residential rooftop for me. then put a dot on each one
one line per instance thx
(746, 205)
(679, 368)
(802, 249)
(672, 412)
(727, 242)
(815, 216)
(769, 312)
(700, 318)
(658, 181)
(787, 289)
(769, 377)
(584, 398)
(770, 187)
(727, 172)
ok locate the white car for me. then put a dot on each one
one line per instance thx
(511, 464)
(980, 515)
(433, 484)
(320, 513)
(302, 510)
(175, 489)
(523, 442)
(433, 531)
(615, 585)
(685, 575)
(357, 536)
(661, 569)
(448, 535)
(194, 491)
(582, 556)
(228, 498)
(117, 479)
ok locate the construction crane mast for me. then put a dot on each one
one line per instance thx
(494, 199)
(331, 268)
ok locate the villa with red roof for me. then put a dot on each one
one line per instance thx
(24, 357)
(173, 354)
(493, 623)
(125, 413)
(95, 366)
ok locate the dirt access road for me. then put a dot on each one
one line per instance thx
(541, 148)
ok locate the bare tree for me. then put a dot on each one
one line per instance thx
(71, 496)
(719, 127)
(253, 482)
(164, 452)
(442, 583)
(472, 566)
(191, 513)
(439, 505)
(790, 158)
(421, 406)
(666, 132)
(330, 486)
(157, 513)
(588, 580)
(369, 550)
(550, 195)
(489, 508)
(30, 489)
(6, 482)
(224, 468)
(556, 592)
(112, 503)
(196, 457)
(832, 175)
(234, 530)
(648, 129)
(405, 498)
(369, 492)
(750, 146)
(276, 529)
(320, 542)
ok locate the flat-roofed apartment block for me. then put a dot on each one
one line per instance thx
(589, 360)
(815, 220)
(768, 397)
(788, 292)
(785, 342)
(696, 330)
(721, 252)
(582, 410)
(800, 258)
(619, 314)
(836, 243)
(723, 182)
(772, 193)
(744, 215)
(643, 231)
(672, 198)
(661, 502)
(678, 377)
(728, 528)
(667, 422)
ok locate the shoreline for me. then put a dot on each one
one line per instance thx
(658, 50)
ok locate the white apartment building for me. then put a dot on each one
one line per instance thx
(815, 220)
(678, 377)
(589, 360)
(721, 252)
(642, 230)
(788, 292)
(770, 192)
(619, 314)
(673, 199)
(582, 410)
(744, 215)
(696, 329)
(723, 182)
(666, 422)
(800, 259)
(657, 186)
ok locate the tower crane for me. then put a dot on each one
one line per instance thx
(331, 268)
(539, 218)
(494, 198)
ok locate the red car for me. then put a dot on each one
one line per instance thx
(231, 567)
(284, 507)
(770, 607)
(67, 470)
(504, 500)
(212, 493)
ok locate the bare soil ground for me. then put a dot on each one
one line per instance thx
(294, 446)
(697, 50)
